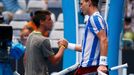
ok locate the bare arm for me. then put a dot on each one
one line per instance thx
(103, 42)
(78, 48)
(57, 57)
(103, 49)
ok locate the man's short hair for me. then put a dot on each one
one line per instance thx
(94, 2)
(40, 15)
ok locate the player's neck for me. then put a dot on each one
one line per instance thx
(92, 10)
(43, 31)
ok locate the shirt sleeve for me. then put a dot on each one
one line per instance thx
(46, 48)
(96, 24)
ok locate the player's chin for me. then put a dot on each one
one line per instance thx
(84, 13)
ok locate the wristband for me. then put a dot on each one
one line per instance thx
(71, 46)
(103, 60)
(62, 46)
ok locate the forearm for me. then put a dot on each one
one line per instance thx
(78, 48)
(57, 57)
(103, 47)
(103, 52)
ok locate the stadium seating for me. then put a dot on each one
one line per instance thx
(60, 18)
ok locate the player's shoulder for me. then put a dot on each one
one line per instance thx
(94, 18)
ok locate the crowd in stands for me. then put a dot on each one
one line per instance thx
(128, 37)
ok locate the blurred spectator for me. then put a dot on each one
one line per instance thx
(133, 8)
(46, 2)
(30, 23)
(22, 41)
(12, 6)
(8, 16)
(1, 19)
(129, 8)
(18, 49)
(127, 24)
(25, 33)
(128, 34)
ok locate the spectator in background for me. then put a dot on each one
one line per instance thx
(1, 19)
(31, 23)
(22, 41)
(25, 33)
(18, 49)
(128, 30)
(128, 8)
(127, 24)
(12, 6)
(128, 34)
(46, 2)
(8, 16)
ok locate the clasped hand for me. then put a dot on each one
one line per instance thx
(63, 42)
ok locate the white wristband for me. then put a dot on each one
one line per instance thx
(103, 60)
(71, 46)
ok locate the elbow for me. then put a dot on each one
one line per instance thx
(55, 60)
(104, 40)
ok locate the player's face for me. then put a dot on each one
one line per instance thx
(84, 7)
(48, 23)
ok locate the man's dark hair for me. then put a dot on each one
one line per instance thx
(94, 2)
(40, 15)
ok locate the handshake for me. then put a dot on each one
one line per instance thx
(63, 43)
